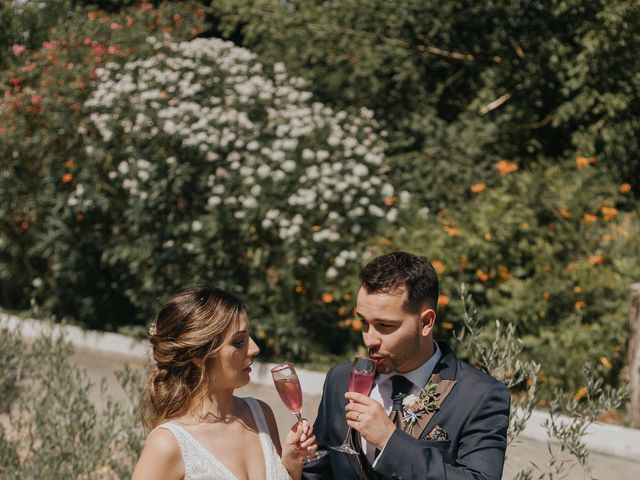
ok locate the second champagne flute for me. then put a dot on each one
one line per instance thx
(287, 385)
(360, 381)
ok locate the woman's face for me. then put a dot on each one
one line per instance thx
(231, 367)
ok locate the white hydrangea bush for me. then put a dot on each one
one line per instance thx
(243, 154)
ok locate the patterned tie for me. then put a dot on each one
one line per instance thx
(400, 387)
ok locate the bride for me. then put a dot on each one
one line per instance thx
(201, 431)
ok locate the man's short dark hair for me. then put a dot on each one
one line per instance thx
(414, 273)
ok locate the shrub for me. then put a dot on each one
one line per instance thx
(213, 169)
(42, 152)
(551, 250)
(55, 429)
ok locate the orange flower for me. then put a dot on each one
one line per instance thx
(347, 297)
(69, 164)
(582, 162)
(482, 275)
(605, 362)
(504, 273)
(589, 218)
(505, 167)
(452, 231)
(79, 217)
(488, 237)
(624, 187)
(596, 259)
(389, 201)
(464, 261)
(478, 187)
(580, 304)
(342, 311)
(443, 301)
(327, 297)
(581, 393)
(609, 213)
(67, 177)
(447, 325)
(316, 228)
(357, 324)
(546, 296)
(564, 213)
(546, 268)
(577, 289)
(439, 266)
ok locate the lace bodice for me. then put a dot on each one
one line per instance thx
(201, 464)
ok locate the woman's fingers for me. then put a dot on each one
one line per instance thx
(308, 442)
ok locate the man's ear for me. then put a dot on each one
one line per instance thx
(427, 320)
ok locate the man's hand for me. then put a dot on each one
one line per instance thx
(369, 418)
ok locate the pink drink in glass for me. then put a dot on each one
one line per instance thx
(361, 382)
(290, 393)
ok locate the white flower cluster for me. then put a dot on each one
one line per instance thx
(255, 146)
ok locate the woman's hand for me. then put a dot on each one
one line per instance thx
(299, 444)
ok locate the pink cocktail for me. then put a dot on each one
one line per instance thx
(287, 385)
(361, 382)
(290, 393)
(361, 377)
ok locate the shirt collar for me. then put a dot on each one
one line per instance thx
(421, 375)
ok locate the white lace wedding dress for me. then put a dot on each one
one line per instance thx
(201, 464)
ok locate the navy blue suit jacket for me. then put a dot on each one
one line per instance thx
(475, 415)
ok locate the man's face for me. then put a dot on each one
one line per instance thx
(398, 341)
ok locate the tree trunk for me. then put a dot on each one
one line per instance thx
(634, 356)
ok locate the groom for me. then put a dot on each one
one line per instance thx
(456, 430)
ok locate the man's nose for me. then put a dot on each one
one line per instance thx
(371, 340)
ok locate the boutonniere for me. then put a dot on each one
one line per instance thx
(414, 406)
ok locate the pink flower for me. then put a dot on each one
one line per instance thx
(48, 45)
(18, 49)
(98, 49)
(36, 100)
(86, 42)
(112, 50)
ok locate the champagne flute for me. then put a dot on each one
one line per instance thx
(287, 385)
(360, 381)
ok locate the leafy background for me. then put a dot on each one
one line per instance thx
(508, 134)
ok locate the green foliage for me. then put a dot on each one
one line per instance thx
(498, 351)
(42, 151)
(551, 250)
(164, 151)
(459, 85)
(55, 429)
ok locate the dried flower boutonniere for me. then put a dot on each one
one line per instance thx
(414, 407)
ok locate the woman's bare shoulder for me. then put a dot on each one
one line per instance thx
(161, 458)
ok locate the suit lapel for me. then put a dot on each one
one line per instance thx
(444, 376)
(442, 391)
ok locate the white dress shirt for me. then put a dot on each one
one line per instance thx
(381, 391)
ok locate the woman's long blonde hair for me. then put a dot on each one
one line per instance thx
(189, 330)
